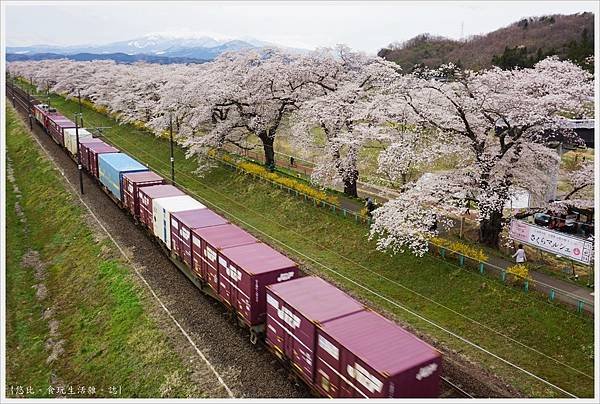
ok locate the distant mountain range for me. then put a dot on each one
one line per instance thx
(117, 57)
(519, 44)
(153, 48)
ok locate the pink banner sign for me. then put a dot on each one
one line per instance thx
(567, 246)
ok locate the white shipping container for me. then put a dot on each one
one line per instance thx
(161, 214)
(71, 139)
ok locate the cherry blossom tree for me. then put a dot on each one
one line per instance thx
(348, 114)
(250, 92)
(177, 100)
(492, 124)
(580, 179)
(134, 93)
(499, 120)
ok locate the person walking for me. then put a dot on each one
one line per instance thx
(370, 206)
(520, 255)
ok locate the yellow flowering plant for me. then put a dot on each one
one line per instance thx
(461, 248)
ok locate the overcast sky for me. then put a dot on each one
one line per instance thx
(364, 26)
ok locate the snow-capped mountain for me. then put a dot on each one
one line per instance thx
(165, 44)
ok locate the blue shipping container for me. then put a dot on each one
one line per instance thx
(112, 166)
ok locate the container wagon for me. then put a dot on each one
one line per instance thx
(162, 208)
(244, 273)
(295, 310)
(56, 125)
(112, 167)
(91, 152)
(70, 136)
(207, 244)
(83, 153)
(364, 355)
(146, 198)
(132, 182)
(182, 224)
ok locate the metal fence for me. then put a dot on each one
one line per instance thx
(527, 285)
(302, 166)
(335, 209)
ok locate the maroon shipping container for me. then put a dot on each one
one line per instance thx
(56, 125)
(245, 272)
(294, 311)
(84, 159)
(47, 119)
(367, 356)
(134, 181)
(182, 224)
(91, 151)
(207, 244)
(147, 194)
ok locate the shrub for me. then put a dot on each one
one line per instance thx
(461, 248)
(301, 187)
(89, 104)
(518, 273)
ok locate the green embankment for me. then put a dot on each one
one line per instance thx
(545, 339)
(109, 340)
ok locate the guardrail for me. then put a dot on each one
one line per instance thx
(335, 209)
(527, 285)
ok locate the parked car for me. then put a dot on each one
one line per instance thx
(542, 219)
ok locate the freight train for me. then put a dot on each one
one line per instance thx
(336, 345)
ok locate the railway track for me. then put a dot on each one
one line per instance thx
(23, 101)
(453, 390)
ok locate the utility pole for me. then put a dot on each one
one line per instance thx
(29, 109)
(78, 155)
(171, 142)
(13, 91)
(48, 92)
(79, 97)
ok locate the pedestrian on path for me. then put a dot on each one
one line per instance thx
(520, 255)
(370, 206)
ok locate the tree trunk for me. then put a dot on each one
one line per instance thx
(350, 188)
(267, 142)
(489, 230)
(350, 180)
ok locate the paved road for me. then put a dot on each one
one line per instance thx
(564, 291)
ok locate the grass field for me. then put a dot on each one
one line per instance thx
(98, 332)
(543, 338)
